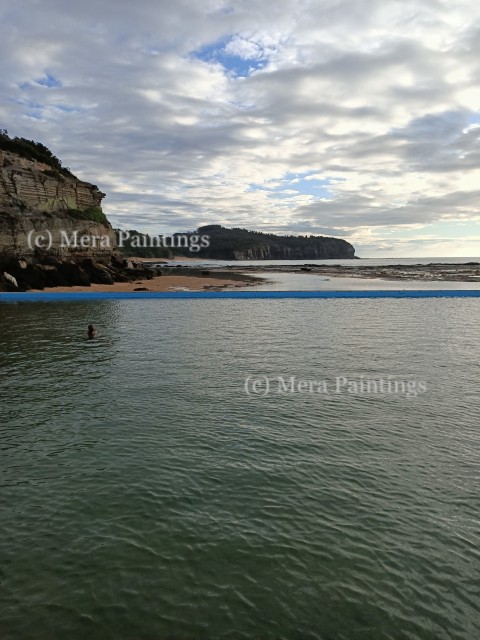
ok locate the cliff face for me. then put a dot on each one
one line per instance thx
(322, 249)
(45, 208)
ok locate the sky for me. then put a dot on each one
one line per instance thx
(358, 119)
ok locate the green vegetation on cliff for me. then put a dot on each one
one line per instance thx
(93, 213)
(32, 151)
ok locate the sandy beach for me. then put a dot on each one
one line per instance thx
(192, 278)
(160, 283)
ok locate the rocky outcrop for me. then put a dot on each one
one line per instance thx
(53, 231)
(36, 187)
(42, 207)
(21, 234)
(48, 271)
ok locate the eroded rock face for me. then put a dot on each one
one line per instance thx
(36, 187)
(22, 233)
(36, 199)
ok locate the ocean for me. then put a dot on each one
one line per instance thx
(364, 262)
(240, 469)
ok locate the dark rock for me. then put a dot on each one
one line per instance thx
(72, 274)
(7, 285)
(141, 274)
(119, 262)
(97, 273)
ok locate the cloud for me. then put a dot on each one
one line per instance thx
(243, 48)
(175, 111)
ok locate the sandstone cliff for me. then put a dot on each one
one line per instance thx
(318, 249)
(38, 199)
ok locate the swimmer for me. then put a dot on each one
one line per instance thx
(92, 332)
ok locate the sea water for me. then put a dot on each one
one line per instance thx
(200, 470)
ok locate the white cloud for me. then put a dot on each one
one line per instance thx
(245, 49)
(379, 98)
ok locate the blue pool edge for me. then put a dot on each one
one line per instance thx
(239, 295)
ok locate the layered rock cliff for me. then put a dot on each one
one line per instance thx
(53, 231)
(319, 249)
(44, 208)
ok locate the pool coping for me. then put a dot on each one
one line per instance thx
(238, 295)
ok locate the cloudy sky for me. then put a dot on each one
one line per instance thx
(353, 118)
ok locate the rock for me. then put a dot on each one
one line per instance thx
(118, 261)
(6, 285)
(72, 274)
(10, 279)
(36, 200)
(46, 213)
(96, 272)
(141, 274)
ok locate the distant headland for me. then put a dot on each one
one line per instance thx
(236, 244)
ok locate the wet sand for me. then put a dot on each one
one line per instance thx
(434, 271)
(161, 283)
(444, 272)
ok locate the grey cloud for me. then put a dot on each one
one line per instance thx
(424, 210)
(349, 90)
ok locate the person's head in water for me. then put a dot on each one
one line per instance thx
(92, 332)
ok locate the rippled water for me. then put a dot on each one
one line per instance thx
(146, 495)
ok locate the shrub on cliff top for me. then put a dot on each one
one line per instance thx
(31, 151)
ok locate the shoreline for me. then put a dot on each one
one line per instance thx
(432, 272)
(163, 283)
(218, 277)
